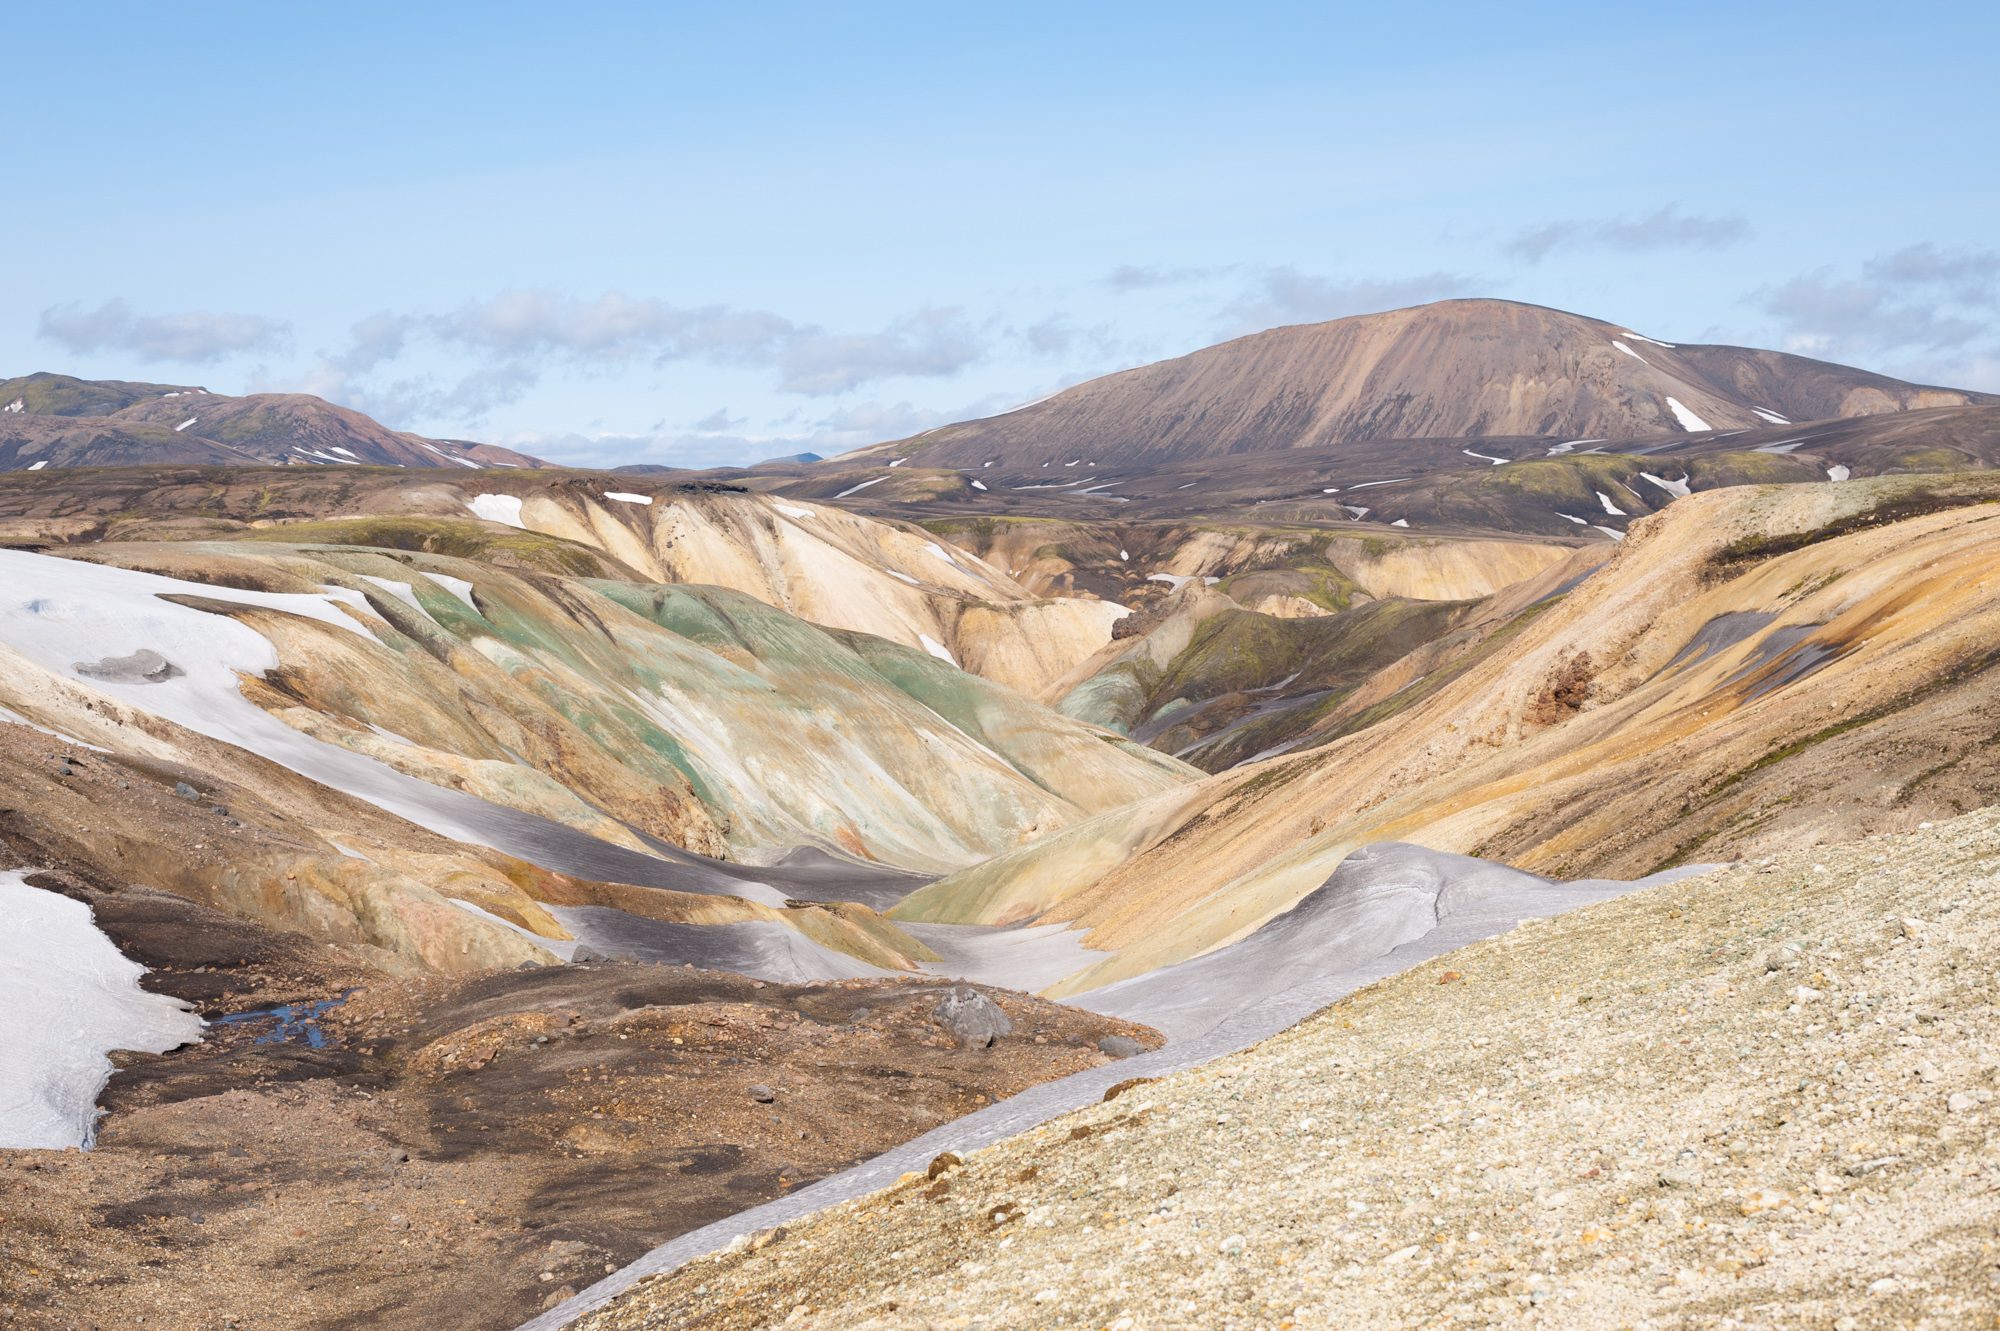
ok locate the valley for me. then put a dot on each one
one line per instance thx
(570, 874)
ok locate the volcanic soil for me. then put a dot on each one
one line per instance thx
(460, 1151)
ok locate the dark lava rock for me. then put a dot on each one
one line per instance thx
(185, 791)
(1120, 1046)
(971, 1018)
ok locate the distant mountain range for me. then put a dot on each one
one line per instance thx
(1462, 370)
(56, 421)
(1458, 369)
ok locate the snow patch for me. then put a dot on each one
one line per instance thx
(1365, 484)
(458, 587)
(1678, 489)
(899, 462)
(1689, 421)
(39, 465)
(1610, 507)
(898, 573)
(792, 512)
(857, 489)
(1628, 351)
(402, 591)
(498, 508)
(68, 997)
(1652, 341)
(626, 497)
(1581, 522)
(940, 552)
(1400, 522)
(1612, 532)
(1836, 472)
(338, 449)
(184, 424)
(979, 485)
(936, 648)
(20, 404)
(1498, 462)
(1771, 416)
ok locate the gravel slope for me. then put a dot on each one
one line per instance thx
(1763, 1097)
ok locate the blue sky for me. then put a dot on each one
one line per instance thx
(651, 233)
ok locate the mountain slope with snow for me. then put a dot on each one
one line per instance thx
(56, 421)
(1454, 369)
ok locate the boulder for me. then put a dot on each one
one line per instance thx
(971, 1018)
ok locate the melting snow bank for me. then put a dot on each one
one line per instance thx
(498, 508)
(68, 997)
(1385, 909)
(1688, 420)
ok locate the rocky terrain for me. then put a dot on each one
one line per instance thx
(1764, 1096)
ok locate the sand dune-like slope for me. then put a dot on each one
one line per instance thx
(1454, 369)
(1755, 668)
(1764, 1096)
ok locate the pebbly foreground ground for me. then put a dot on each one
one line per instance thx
(1763, 1097)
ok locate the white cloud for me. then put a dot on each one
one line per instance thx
(194, 338)
(931, 343)
(1668, 228)
(1913, 304)
(1137, 277)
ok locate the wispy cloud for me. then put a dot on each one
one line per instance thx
(1668, 228)
(696, 446)
(515, 337)
(193, 338)
(1286, 296)
(1144, 277)
(930, 344)
(1916, 299)
(1925, 312)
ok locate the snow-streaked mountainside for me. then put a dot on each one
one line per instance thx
(1462, 369)
(56, 421)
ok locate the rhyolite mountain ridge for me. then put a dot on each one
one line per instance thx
(55, 420)
(1456, 369)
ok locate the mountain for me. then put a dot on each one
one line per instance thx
(1458, 369)
(56, 421)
